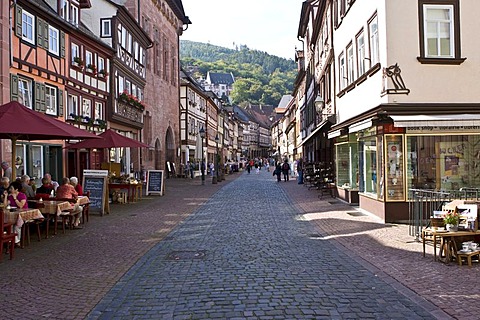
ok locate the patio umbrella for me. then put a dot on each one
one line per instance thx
(18, 122)
(109, 139)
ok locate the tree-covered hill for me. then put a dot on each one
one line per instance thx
(260, 78)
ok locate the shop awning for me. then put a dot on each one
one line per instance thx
(359, 126)
(334, 134)
(320, 126)
(448, 120)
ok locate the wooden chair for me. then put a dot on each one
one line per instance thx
(7, 236)
(66, 216)
(86, 208)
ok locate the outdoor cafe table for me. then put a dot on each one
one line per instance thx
(18, 217)
(134, 190)
(51, 207)
(447, 241)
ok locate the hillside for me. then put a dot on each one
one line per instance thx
(261, 78)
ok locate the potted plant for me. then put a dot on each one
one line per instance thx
(103, 73)
(77, 61)
(451, 221)
(92, 68)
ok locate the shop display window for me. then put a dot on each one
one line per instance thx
(347, 163)
(443, 162)
(394, 168)
(368, 166)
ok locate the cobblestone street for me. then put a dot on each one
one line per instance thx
(245, 248)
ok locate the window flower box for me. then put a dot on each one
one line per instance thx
(91, 68)
(130, 99)
(77, 62)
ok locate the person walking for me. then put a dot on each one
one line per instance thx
(278, 171)
(300, 170)
(285, 170)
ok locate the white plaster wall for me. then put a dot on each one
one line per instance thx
(368, 94)
(91, 17)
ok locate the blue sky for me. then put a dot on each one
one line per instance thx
(266, 25)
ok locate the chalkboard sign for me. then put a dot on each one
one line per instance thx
(97, 187)
(154, 182)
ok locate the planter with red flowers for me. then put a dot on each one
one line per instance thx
(132, 100)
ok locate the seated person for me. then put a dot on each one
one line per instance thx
(46, 187)
(4, 184)
(16, 199)
(26, 187)
(76, 185)
(67, 191)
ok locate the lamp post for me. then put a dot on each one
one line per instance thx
(216, 155)
(202, 165)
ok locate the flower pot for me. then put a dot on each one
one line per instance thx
(452, 227)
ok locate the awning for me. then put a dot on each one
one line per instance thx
(359, 126)
(320, 126)
(447, 120)
(334, 134)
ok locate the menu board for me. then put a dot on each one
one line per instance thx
(97, 187)
(154, 182)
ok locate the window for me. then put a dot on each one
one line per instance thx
(72, 107)
(51, 100)
(105, 28)
(351, 65)
(98, 111)
(120, 85)
(373, 43)
(75, 52)
(439, 23)
(28, 27)
(88, 58)
(74, 15)
(53, 40)
(101, 65)
(64, 12)
(361, 53)
(87, 108)
(25, 92)
(342, 74)
(438, 33)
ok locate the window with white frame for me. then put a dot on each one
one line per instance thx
(101, 65)
(128, 86)
(53, 40)
(87, 108)
(351, 65)
(75, 52)
(64, 9)
(74, 14)
(28, 27)
(72, 105)
(105, 28)
(25, 92)
(374, 41)
(51, 100)
(438, 32)
(98, 111)
(361, 53)
(89, 59)
(342, 71)
(121, 84)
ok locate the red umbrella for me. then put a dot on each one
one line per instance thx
(110, 139)
(18, 122)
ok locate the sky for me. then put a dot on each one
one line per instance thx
(265, 25)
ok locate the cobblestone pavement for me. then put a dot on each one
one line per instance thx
(255, 249)
(247, 253)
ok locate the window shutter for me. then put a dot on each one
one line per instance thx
(62, 44)
(46, 35)
(40, 97)
(18, 21)
(40, 31)
(60, 103)
(13, 87)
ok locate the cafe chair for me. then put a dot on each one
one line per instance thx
(86, 208)
(26, 231)
(7, 236)
(66, 216)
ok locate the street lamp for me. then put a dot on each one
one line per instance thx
(216, 155)
(202, 165)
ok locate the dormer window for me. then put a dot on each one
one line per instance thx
(64, 9)
(69, 11)
(74, 15)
